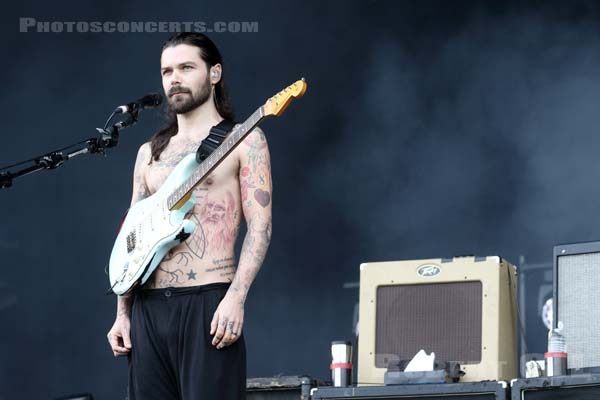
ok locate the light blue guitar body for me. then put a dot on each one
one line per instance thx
(150, 231)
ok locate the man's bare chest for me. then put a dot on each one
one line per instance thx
(157, 172)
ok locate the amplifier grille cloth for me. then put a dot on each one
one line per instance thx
(578, 307)
(442, 317)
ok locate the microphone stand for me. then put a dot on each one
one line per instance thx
(109, 137)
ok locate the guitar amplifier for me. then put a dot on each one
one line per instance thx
(577, 303)
(464, 309)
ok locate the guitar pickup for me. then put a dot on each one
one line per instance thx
(131, 242)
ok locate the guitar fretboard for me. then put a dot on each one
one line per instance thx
(214, 159)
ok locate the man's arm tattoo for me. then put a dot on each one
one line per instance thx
(254, 250)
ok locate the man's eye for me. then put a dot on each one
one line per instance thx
(187, 67)
(166, 72)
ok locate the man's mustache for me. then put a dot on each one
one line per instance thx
(178, 89)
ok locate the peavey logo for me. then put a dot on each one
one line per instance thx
(429, 270)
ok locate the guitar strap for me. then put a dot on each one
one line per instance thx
(215, 137)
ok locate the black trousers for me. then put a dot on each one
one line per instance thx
(172, 357)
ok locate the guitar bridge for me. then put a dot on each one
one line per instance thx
(131, 242)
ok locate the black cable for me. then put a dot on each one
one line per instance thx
(109, 119)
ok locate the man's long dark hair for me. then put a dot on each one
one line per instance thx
(211, 56)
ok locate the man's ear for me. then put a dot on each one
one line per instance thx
(215, 74)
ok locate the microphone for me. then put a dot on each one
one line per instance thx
(151, 100)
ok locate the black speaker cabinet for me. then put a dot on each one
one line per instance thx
(577, 303)
(490, 390)
(567, 387)
(280, 388)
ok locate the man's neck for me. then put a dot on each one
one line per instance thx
(196, 124)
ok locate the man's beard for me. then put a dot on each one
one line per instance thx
(189, 102)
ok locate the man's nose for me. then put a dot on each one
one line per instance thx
(175, 78)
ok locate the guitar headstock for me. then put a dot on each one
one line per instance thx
(278, 103)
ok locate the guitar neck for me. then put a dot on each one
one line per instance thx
(237, 135)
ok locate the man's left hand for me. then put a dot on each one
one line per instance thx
(226, 325)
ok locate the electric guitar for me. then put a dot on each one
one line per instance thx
(156, 224)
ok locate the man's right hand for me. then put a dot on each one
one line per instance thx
(118, 336)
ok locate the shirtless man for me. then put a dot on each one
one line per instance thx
(182, 331)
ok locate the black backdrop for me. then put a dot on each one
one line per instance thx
(429, 129)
